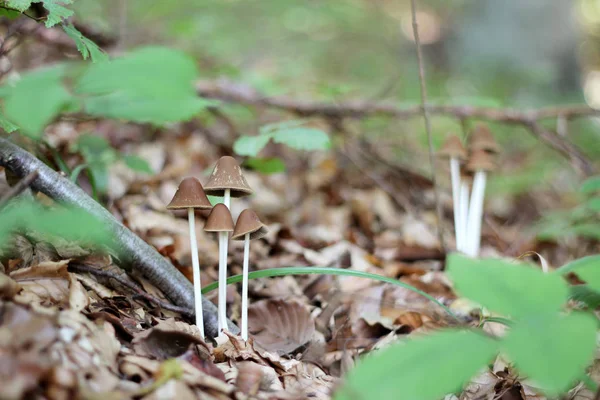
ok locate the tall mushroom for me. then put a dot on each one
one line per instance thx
(189, 196)
(480, 163)
(227, 180)
(455, 151)
(248, 227)
(220, 221)
(465, 182)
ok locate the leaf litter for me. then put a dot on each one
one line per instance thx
(66, 332)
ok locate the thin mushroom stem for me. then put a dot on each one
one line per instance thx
(196, 272)
(464, 212)
(222, 281)
(455, 176)
(227, 198)
(244, 328)
(476, 213)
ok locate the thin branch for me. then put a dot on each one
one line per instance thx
(356, 109)
(131, 249)
(425, 107)
(139, 292)
(18, 188)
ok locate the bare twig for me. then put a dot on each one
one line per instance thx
(18, 188)
(132, 250)
(425, 107)
(139, 292)
(237, 93)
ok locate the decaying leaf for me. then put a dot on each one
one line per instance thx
(280, 326)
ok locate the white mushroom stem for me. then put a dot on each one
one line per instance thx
(244, 327)
(222, 317)
(196, 272)
(455, 176)
(464, 213)
(476, 213)
(227, 198)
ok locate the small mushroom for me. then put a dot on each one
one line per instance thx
(480, 163)
(455, 151)
(482, 139)
(227, 180)
(248, 227)
(220, 221)
(190, 195)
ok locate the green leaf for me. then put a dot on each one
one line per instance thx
(303, 138)
(10, 14)
(587, 268)
(591, 185)
(36, 100)
(424, 368)
(266, 165)
(552, 350)
(57, 11)
(593, 204)
(512, 289)
(20, 5)
(65, 222)
(250, 145)
(86, 47)
(137, 164)
(153, 84)
(99, 171)
(580, 263)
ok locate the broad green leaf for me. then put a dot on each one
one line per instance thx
(10, 14)
(513, 289)
(250, 145)
(100, 176)
(587, 268)
(68, 223)
(591, 185)
(593, 204)
(153, 84)
(303, 138)
(92, 146)
(588, 230)
(36, 100)
(20, 5)
(86, 47)
(266, 165)
(137, 164)
(57, 11)
(553, 350)
(424, 368)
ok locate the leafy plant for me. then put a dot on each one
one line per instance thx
(545, 341)
(98, 156)
(290, 133)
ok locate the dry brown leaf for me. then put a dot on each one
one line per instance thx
(280, 326)
(8, 287)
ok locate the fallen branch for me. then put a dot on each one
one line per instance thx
(130, 248)
(529, 119)
(18, 188)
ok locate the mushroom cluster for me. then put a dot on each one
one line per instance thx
(480, 160)
(226, 180)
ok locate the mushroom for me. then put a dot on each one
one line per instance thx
(248, 227)
(455, 151)
(482, 139)
(465, 181)
(480, 163)
(227, 180)
(190, 195)
(219, 220)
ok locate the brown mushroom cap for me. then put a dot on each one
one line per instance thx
(482, 139)
(453, 148)
(248, 222)
(219, 219)
(190, 194)
(227, 175)
(481, 161)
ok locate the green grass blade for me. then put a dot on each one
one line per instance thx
(272, 272)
